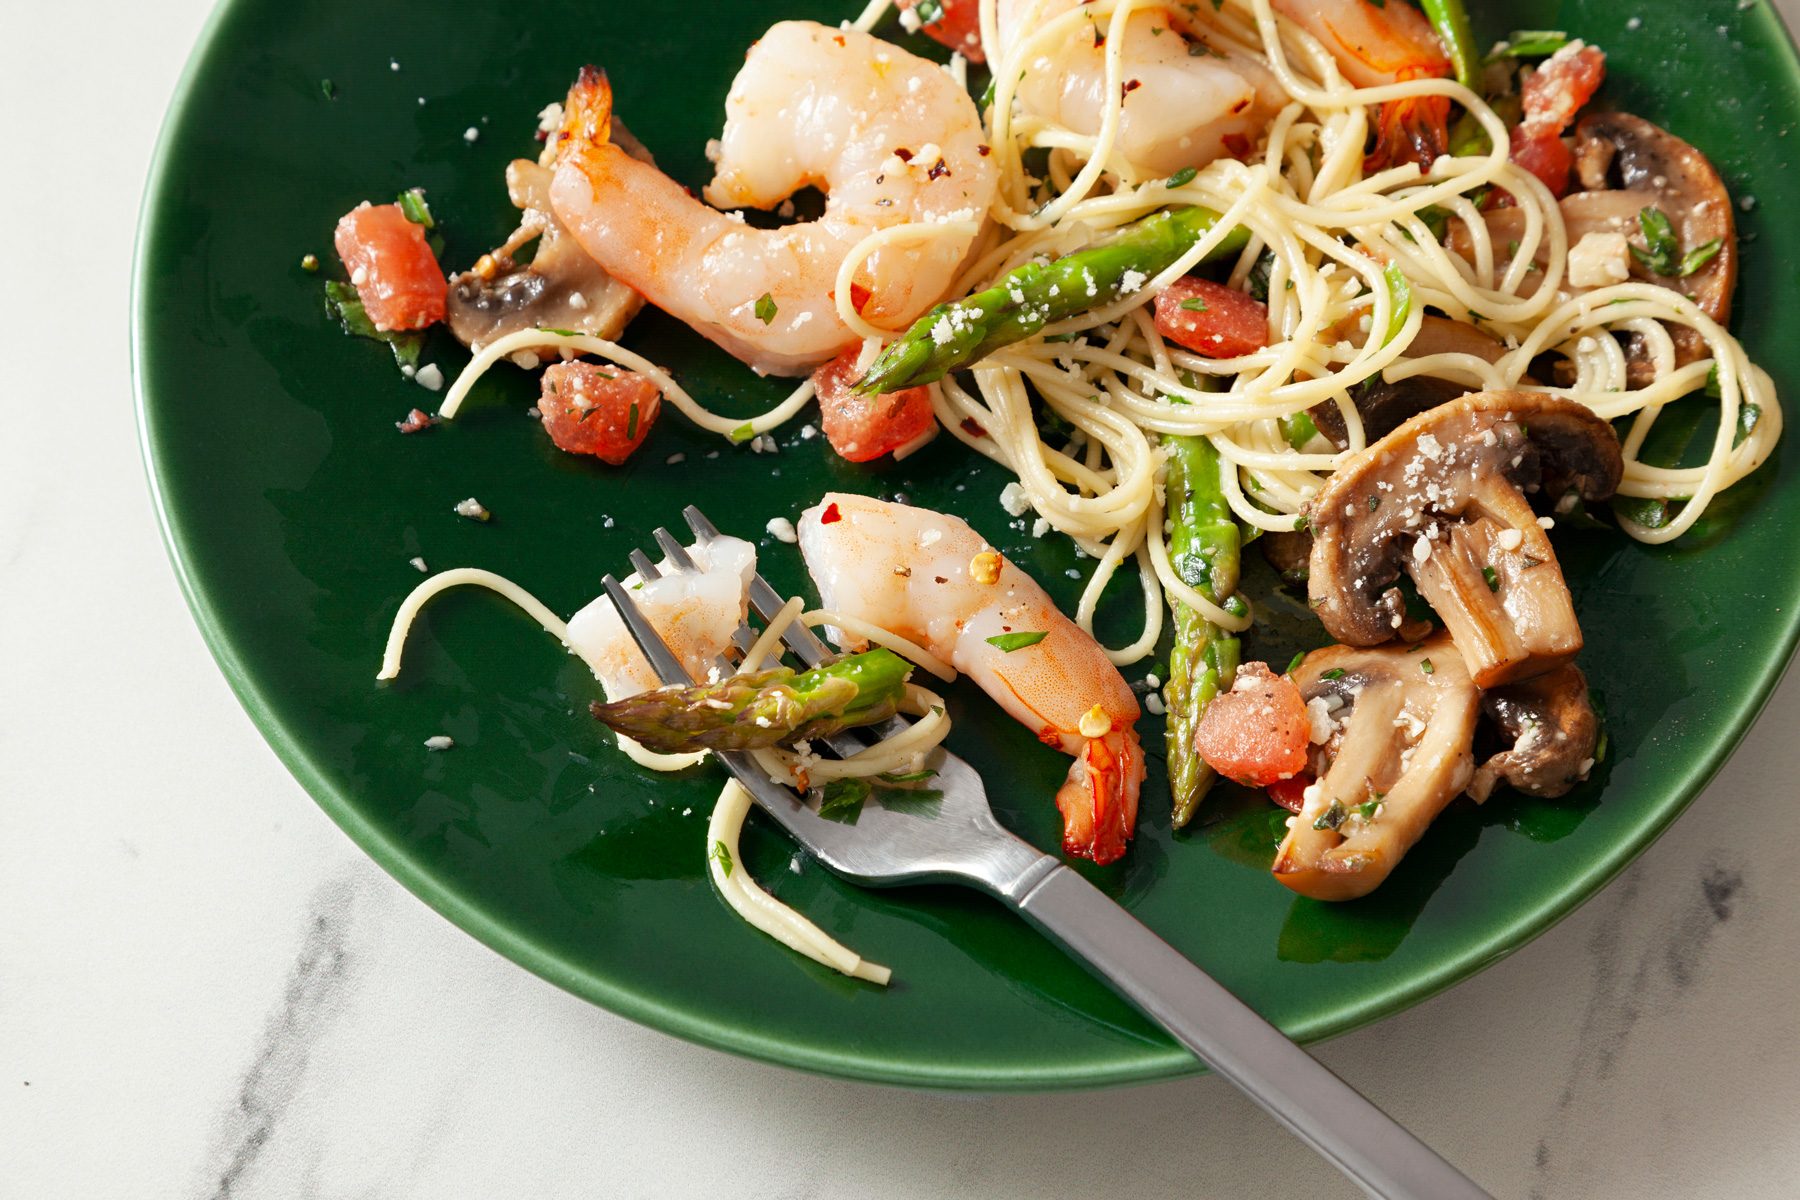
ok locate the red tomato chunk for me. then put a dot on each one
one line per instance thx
(861, 428)
(1256, 733)
(1211, 319)
(958, 26)
(396, 275)
(1552, 96)
(599, 410)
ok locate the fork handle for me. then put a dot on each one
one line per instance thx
(1322, 1110)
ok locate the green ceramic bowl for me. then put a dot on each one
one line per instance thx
(292, 507)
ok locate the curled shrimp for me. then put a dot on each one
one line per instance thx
(1189, 96)
(890, 138)
(932, 579)
(1378, 44)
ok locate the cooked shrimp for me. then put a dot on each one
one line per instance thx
(891, 139)
(930, 578)
(1375, 44)
(695, 611)
(1188, 98)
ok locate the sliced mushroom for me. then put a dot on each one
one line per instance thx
(1382, 405)
(1626, 165)
(1392, 730)
(560, 288)
(1443, 499)
(1553, 732)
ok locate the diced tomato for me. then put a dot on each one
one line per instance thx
(599, 410)
(1545, 157)
(1291, 793)
(396, 275)
(866, 427)
(1256, 733)
(958, 25)
(1550, 99)
(1211, 319)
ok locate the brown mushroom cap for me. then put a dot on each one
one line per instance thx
(560, 288)
(1382, 405)
(1393, 729)
(1553, 730)
(1441, 498)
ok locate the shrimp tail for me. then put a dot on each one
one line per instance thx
(587, 113)
(1099, 800)
(1416, 129)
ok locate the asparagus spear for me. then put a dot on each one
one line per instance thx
(953, 335)
(1203, 548)
(762, 708)
(1451, 21)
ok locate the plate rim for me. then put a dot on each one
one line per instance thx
(518, 946)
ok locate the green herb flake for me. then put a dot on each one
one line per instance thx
(1492, 577)
(1528, 43)
(1006, 643)
(929, 12)
(328, 89)
(631, 424)
(1366, 810)
(1748, 416)
(843, 799)
(1374, 502)
(561, 332)
(721, 854)
(1661, 252)
(765, 308)
(1332, 817)
(1294, 663)
(1425, 666)
(1713, 387)
(412, 204)
(1181, 178)
(344, 305)
(1400, 299)
(1193, 304)
(1600, 747)
(743, 433)
(1334, 673)
(1699, 256)
(909, 776)
(310, 262)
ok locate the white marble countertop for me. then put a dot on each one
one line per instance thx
(206, 991)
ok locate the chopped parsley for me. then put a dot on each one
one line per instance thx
(1334, 673)
(1366, 810)
(1193, 304)
(843, 799)
(1181, 178)
(1374, 502)
(929, 12)
(743, 433)
(1332, 817)
(1492, 577)
(1400, 299)
(1294, 663)
(328, 89)
(344, 305)
(631, 424)
(721, 855)
(765, 308)
(1661, 253)
(1008, 642)
(1528, 43)
(560, 332)
(412, 204)
(1425, 666)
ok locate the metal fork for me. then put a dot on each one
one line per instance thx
(958, 840)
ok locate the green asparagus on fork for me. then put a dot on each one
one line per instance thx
(1204, 541)
(759, 709)
(1027, 299)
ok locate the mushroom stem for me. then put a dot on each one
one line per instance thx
(1508, 609)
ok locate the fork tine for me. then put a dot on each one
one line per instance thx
(646, 570)
(668, 668)
(703, 529)
(672, 549)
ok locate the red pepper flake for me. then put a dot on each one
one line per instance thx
(903, 154)
(938, 170)
(973, 428)
(416, 422)
(831, 514)
(1132, 85)
(984, 151)
(859, 296)
(542, 135)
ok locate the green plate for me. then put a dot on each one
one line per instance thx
(291, 507)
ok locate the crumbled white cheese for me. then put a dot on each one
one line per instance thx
(577, 300)
(931, 537)
(472, 509)
(1153, 704)
(1319, 722)
(1509, 539)
(782, 530)
(1014, 500)
(808, 432)
(439, 742)
(1131, 281)
(1546, 523)
(675, 458)
(418, 564)
(471, 133)
(430, 377)
(526, 360)
(1421, 550)
(1598, 259)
